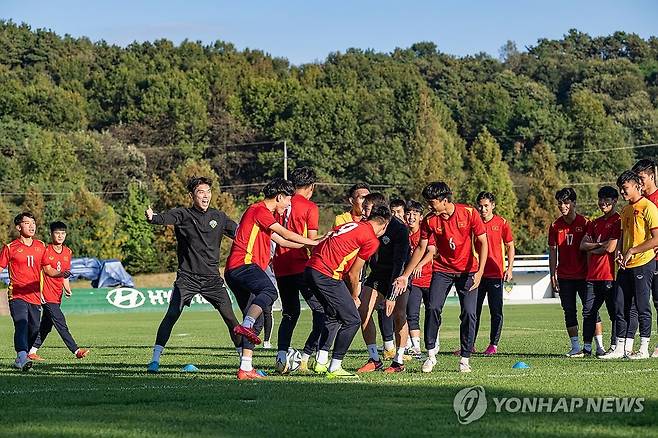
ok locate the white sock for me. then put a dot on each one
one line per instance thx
(628, 346)
(248, 322)
(389, 345)
(335, 364)
(281, 356)
(305, 357)
(239, 350)
(245, 363)
(372, 351)
(322, 357)
(157, 351)
(575, 344)
(409, 343)
(399, 356)
(587, 346)
(22, 356)
(415, 342)
(432, 353)
(33, 350)
(644, 345)
(599, 342)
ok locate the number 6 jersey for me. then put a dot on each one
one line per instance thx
(571, 261)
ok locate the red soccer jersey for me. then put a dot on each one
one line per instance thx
(336, 255)
(252, 238)
(653, 198)
(499, 233)
(60, 261)
(453, 238)
(602, 266)
(571, 261)
(426, 273)
(24, 263)
(302, 217)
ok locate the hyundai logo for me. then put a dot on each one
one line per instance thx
(125, 298)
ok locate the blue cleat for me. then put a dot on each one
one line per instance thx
(153, 367)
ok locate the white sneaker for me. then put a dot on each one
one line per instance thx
(428, 365)
(655, 353)
(267, 345)
(639, 355)
(616, 353)
(575, 352)
(464, 367)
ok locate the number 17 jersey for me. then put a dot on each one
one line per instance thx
(571, 261)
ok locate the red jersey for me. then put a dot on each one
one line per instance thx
(24, 263)
(426, 273)
(453, 238)
(302, 217)
(653, 198)
(60, 261)
(499, 233)
(571, 262)
(336, 254)
(602, 266)
(252, 238)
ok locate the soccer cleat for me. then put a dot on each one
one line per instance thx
(394, 368)
(153, 367)
(249, 375)
(35, 357)
(655, 353)
(617, 353)
(428, 365)
(464, 367)
(576, 353)
(81, 352)
(303, 367)
(340, 373)
(261, 373)
(248, 333)
(267, 345)
(414, 352)
(282, 366)
(389, 354)
(320, 368)
(639, 355)
(491, 350)
(587, 352)
(23, 365)
(370, 366)
(600, 352)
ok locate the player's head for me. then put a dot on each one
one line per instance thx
(371, 201)
(646, 169)
(279, 190)
(438, 196)
(608, 197)
(413, 213)
(304, 179)
(397, 208)
(379, 217)
(630, 185)
(355, 196)
(58, 232)
(566, 201)
(25, 224)
(485, 203)
(199, 189)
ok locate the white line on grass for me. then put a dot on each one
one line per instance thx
(587, 373)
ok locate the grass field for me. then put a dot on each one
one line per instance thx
(110, 394)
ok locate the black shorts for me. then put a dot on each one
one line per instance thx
(382, 285)
(211, 288)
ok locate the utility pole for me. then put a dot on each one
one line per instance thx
(285, 160)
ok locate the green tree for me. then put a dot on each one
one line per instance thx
(138, 247)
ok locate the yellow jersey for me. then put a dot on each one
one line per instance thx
(637, 221)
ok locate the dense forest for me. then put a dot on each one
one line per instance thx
(91, 133)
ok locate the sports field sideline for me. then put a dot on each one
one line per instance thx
(109, 393)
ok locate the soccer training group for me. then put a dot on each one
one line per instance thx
(383, 258)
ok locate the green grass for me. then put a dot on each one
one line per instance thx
(109, 393)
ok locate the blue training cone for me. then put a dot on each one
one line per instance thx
(189, 368)
(520, 365)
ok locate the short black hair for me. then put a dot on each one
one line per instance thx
(645, 165)
(565, 194)
(608, 192)
(376, 199)
(57, 226)
(278, 186)
(303, 177)
(355, 187)
(20, 216)
(380, 212)
(196, 181)
(397, 203)
(628, 176)
(414, 206)
(485, 195)
(437, 190)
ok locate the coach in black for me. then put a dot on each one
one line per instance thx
(199, 231)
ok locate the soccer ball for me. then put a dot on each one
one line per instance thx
(294, 359)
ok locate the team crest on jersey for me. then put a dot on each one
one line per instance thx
(386, 240)
(51, 258)
(213, 223)
(579, 229)
(461, 224)
(495, 228)
(19, 250)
